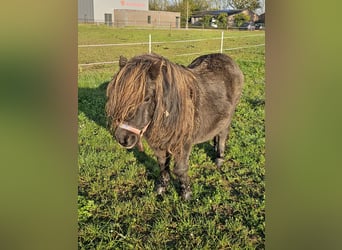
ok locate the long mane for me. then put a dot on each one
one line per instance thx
(126, 91)
(173, 121)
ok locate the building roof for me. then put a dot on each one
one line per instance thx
(214, 12)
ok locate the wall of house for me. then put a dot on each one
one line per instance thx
(146, 18)
(102, 7)
(85, 11)
(125, 13)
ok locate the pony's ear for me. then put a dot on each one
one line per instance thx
(155, 70)
(122, 61)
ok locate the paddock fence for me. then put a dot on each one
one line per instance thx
(215, 45)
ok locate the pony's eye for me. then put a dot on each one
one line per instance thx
(130, 115)
(147, 99)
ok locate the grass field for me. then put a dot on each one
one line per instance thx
(117, 205)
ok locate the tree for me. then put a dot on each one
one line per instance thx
(218, 4)
(222, 20)
(158, 4)
(183, 6)
(240, 18)
(245, 4)
(206, 21)
(153, 5)
(198, 5)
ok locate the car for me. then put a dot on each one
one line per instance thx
(247, 26)
(259, 26)
(213, 25)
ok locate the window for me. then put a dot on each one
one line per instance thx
(108, 19)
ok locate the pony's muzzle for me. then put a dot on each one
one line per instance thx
(126, 138)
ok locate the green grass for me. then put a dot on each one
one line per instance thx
(118, 207)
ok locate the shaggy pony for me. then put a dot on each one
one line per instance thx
(174, 107)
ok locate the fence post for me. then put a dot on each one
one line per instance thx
(149, 44)
(221, 49)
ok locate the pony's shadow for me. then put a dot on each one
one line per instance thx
(208, 149)
(92, 102)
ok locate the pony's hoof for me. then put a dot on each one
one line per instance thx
(161, 189)
(186, 194)
(219, 162)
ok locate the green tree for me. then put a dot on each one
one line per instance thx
(239, 19)
(222, 20)
(245, 4)
(158, 4)
(184, 6)
(153, 5)
(206, 21)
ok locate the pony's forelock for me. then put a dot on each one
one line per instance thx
(172, 124)
(126, 92)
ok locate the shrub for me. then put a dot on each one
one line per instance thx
(222, 20)
(241, 18)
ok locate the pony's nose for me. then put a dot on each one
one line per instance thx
(127, 140)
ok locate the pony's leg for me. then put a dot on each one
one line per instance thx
(216, 139)
(163, 159)
(220, 144)
(181, 171)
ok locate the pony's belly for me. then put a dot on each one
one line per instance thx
(204, 139)
(207, 132)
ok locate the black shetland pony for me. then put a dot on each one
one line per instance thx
(174, 107)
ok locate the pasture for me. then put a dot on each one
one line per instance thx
(117, 205)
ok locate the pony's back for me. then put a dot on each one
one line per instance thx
(218, 64)
(219, 80)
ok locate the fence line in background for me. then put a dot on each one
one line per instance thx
(155, 24)
(245, 47)
(189, 54)
(237, 48)
(163, 42)
(97, 63)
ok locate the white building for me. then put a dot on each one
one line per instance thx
(102, 10)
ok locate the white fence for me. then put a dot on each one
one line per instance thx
(150, 46)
